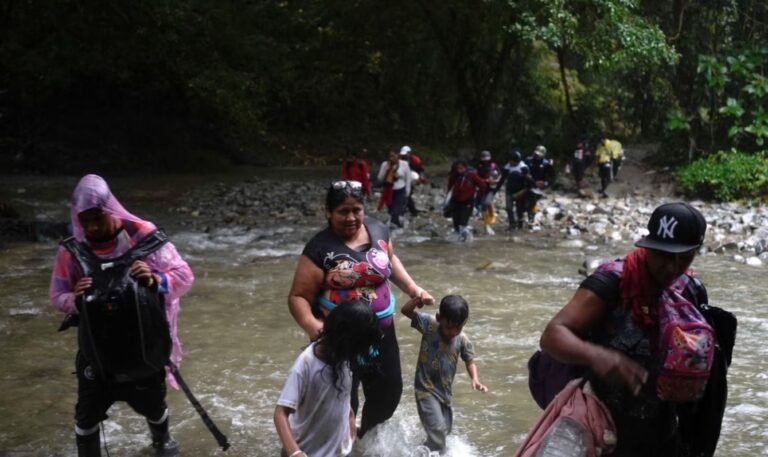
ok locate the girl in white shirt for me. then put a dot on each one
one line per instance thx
(313, 416)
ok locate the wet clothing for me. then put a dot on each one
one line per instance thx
(435, 371)
(463, 188)
(351, 274)
(382, 383)
(398, 206)
(397, 182)
(172, 278)
(489, 172)
(363, 274)
(518, 181)
(647, 425)
(95, 396)
(437, 362)
(357, 170)
(437, 419)
(320, 421)
(172, 274)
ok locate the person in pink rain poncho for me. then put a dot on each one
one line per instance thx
(104, 231)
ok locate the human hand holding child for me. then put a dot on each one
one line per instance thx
(409, 307)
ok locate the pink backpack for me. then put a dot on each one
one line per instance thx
(687, 347)
(686, 342)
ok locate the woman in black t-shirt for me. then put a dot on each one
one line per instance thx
(353, 258)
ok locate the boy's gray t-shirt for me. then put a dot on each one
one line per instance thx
(436, 366)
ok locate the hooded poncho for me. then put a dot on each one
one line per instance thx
(173, 275)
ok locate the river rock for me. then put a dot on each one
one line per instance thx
(754, 262)
(735, 229)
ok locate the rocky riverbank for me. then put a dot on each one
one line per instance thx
(564, 218)
(294, 198)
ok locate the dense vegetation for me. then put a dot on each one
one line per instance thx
(178, 82)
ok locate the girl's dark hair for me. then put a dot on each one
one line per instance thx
(454, 309)
(351, 333)
(337, 194)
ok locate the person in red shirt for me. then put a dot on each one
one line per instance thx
(356, 169)
(463, 184)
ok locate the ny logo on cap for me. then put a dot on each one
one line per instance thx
(667, 227)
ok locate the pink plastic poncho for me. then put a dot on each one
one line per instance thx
(174, 276)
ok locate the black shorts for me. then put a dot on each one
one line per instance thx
(96, 396)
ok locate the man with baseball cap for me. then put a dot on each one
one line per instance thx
(631, 320)
(675, 228)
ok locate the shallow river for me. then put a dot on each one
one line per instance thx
(239, 339)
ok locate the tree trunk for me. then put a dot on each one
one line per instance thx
(566, 90)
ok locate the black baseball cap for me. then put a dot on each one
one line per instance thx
(674, 228)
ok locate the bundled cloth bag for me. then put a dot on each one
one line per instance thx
(575, 424)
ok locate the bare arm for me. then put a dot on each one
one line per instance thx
(307, 281)
(410, 306)
(561, 338)
(404, 282)
(472, 372)
(284, 429)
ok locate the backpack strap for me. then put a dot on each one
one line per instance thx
(147, 245)
(88, 261)
(82, 254)
(698, 292)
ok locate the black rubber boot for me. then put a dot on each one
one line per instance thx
(162, 442)
(88, 445)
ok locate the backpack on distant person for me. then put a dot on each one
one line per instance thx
(123, 330)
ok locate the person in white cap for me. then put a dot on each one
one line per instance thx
(395, 174)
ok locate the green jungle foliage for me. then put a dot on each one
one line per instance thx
(726, 175)
(299, 81)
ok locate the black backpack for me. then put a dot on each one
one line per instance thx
(123, 328)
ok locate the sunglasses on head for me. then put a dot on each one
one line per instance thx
(349, 186)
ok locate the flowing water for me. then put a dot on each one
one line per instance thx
(240, 340)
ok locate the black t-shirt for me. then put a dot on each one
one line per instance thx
(646, 425)
(354, 273)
